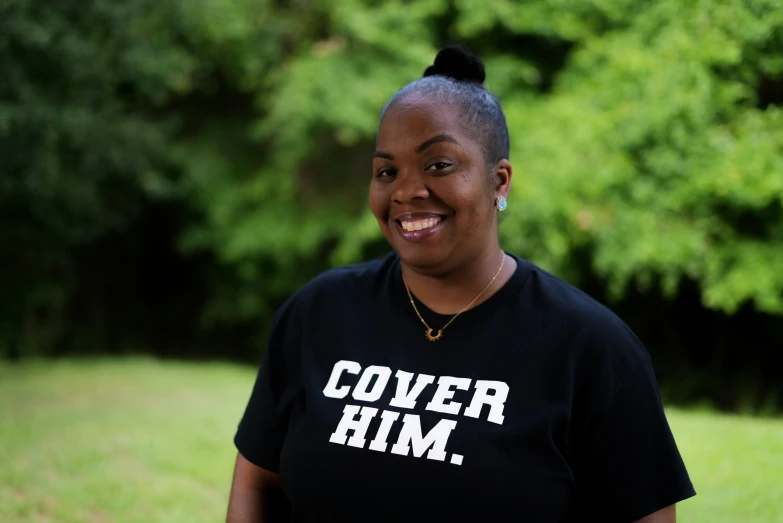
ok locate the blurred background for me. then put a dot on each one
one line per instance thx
(172, 170)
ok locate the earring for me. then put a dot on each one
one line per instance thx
(500, 203)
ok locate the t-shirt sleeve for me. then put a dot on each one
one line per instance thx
(627, 464)
(264, 424)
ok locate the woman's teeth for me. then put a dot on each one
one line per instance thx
(417, 225)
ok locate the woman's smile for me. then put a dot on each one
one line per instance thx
(418, 227)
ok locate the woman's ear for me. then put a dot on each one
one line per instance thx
(501, 177)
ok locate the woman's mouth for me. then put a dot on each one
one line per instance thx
(418, 229)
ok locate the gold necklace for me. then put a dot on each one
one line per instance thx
(436, 337)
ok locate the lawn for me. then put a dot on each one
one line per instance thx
(144, 441)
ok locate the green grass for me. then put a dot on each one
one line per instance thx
(109, 441)
(144, 441)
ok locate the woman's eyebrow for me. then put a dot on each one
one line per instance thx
(381, 154)
(436, 139)
(421, 148)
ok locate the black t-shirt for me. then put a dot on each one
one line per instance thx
(538, 405)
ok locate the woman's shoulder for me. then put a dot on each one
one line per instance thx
(351, 277)
(345, 284)
(556, 295)
(594, 327)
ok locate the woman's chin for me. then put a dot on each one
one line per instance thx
(422, 259)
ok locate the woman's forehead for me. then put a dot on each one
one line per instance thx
(408, 125)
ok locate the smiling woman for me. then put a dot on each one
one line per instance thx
(450, 380)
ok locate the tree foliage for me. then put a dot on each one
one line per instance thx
(645, 139)
(644, 132)
(81, 149)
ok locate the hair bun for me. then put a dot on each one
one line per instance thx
(458, 63)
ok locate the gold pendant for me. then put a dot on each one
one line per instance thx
(430, 337)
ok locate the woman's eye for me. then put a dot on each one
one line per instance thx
(385, 172)
(438, 166)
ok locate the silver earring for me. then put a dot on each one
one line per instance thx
(500, 203)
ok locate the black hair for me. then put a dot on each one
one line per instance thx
(457, 78)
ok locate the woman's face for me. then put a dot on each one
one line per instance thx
(431, 191)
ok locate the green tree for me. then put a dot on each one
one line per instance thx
(645, 140)
(81, 146)
(641, 133)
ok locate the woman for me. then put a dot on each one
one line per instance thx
(449, 380)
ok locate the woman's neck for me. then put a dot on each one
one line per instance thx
(449, 293)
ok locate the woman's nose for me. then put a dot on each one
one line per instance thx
(409, 186)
